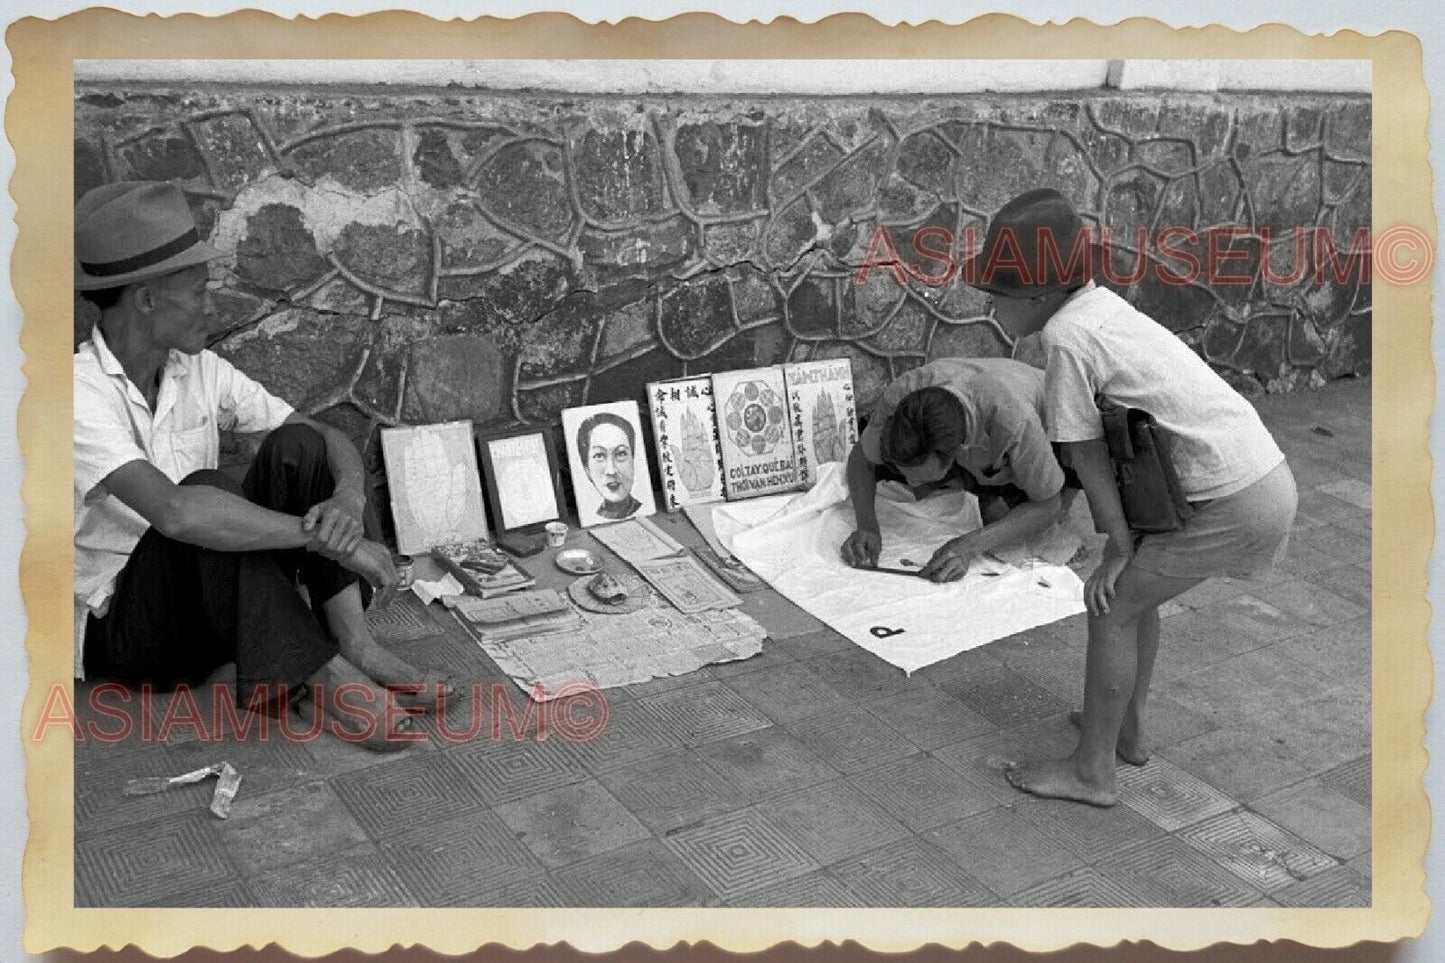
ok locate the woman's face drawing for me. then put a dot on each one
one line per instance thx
(609, 462)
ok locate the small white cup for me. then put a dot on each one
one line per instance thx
(556, 534)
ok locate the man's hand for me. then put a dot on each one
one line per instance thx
(1099, 589)
(950, 562)
(372, 561)
(862, 548)
(335, 525)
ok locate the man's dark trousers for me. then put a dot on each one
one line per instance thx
(180, 611)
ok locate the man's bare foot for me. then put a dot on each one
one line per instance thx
(1059, 779)
(1131, 746)
(412, 686)
(356, 708)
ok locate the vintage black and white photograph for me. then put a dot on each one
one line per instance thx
(1079, 615)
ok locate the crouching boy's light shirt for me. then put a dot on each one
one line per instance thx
(1003, 434)
(200, 396)
(1098, 344)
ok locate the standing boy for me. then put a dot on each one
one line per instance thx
(1243, 495)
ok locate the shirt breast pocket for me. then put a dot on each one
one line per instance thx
(192, 449)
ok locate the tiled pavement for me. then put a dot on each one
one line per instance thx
(815, 774)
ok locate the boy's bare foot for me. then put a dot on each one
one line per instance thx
(338, 687)
(1130, 747)
(1059, 779)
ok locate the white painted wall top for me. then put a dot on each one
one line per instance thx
(805, 77)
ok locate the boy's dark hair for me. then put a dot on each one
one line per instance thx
(927, 421)
(105, 298)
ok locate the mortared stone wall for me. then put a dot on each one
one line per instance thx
(412, 256)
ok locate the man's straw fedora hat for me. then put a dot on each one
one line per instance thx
(134, 231)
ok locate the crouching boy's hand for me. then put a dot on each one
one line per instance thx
(950, 562)
(862, 548)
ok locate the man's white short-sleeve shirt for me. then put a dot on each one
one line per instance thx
(200, 396)
(1099, 344)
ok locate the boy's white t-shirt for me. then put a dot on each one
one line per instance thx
(1098, 344)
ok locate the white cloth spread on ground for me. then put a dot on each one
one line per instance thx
(793, 542)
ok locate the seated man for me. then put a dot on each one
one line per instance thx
(179, 570)
(978, 419)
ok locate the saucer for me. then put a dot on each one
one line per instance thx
(579, 561)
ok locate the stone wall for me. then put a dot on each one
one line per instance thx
(411, 256)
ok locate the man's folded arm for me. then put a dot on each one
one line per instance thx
(201, 514)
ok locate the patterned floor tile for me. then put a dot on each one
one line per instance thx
(1168, 796)
(860, 676)
(642, 874)
(1326, 506)
(1350, 491)
(539, 891)
(812, 645)
(790, 692)
(668, 683)
(1003, 850)
(277, 828)
(403, 798)
(1321, 816)
(265, 765)
(1004, 697)
(1087, 831)
(1352, 780)
(1351, 582)
(929, 718)
(1086, 887)
(1310, 602)
(911, 873)
(833, 820)
(101, 805)
(850, 740)
(922, 792)
(506, 770)
(704, 712)
(404, 620)
(568, 825)
(813, 890)
(359, 877)
(1256, 850)
(771, 658)
(150, 861)
(1245, 764)
(632, 734)
(1340, 887)
(763, 762)
(672, 791)
(535, 892)
(1339, 541)
(462, 861)
(1363, 865)
(738, 852)
(984, 760)
(1169, 873)
(1201, 638)
(232, 895)
(781, 618)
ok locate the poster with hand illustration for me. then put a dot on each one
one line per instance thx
(684, 425)
(608, 461)
(820, 406)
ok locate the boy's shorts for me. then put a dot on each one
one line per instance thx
(1243, 535)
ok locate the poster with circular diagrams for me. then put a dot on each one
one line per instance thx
(755, 432)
